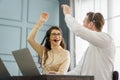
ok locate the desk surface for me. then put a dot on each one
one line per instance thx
(50, 77)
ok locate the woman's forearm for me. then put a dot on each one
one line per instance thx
(35, 30)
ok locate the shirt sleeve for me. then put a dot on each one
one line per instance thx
(100, 39)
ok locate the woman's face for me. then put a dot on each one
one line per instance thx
(55, 37)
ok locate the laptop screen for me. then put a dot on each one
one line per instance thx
(3, 70)
(25, 62)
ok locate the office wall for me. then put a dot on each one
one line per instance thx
(62, 23)
(113, 23)
(17, 18)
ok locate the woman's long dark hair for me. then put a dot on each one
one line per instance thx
(47, 41)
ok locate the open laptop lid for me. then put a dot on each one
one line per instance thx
(3, 70)
(25, 62)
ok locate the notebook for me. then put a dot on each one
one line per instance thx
(3, 70)
(25, 62)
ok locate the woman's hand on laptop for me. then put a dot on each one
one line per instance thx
(52, 72)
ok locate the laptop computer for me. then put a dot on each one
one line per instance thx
(3, 70)
(25, 62)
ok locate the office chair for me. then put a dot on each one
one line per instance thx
(115, 75)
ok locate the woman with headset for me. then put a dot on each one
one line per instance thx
(55, 59)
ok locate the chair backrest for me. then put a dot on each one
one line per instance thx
(115, 75)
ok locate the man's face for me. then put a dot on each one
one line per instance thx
(87, 23)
